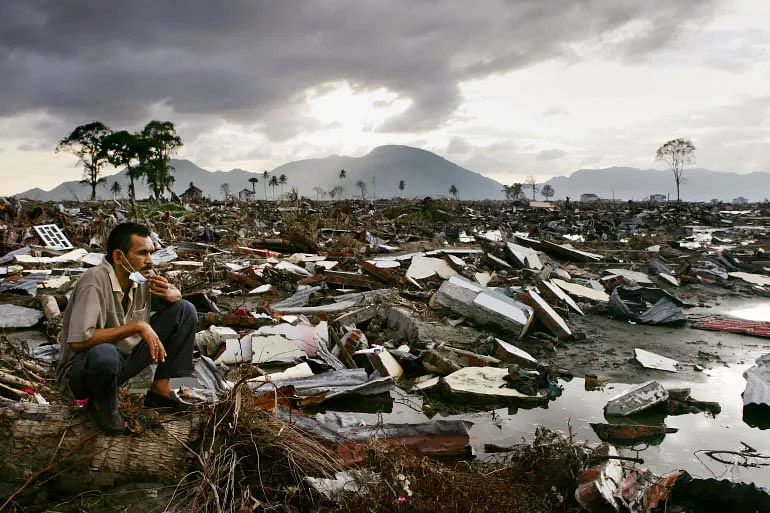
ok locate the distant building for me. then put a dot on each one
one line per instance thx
(192, 194)
(658, 198)
(589, 197)
(547, 205)
(740, 200)
(246, 195)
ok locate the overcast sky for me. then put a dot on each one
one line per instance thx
(504, 88)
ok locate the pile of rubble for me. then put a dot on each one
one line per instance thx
(320, 303)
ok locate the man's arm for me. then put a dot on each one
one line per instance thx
(110, 335)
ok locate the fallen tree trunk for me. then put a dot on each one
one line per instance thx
(42, 442)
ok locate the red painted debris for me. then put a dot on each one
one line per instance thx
(755, 328)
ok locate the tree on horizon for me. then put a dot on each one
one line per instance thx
(265, 181)
(254, 181)
(282, 180)
(273, 183)
(677, 153)
(401, 186)
(342, 177)
(453, 191)
(122, 149)
(162, 142)
(532, 182)
(362, 186)
(547, 191)
(115, 189)
(86, 143)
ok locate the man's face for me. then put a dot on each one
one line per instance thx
(139, 254)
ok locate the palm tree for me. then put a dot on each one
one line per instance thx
(362, 185)
(342, 176)
(453, 191)
(264, 182)
(115, 189)
(273, 183)
(253, 180)
(401, 186)
(318, 192)
(282, 180)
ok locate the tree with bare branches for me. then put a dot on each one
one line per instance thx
(677, 153)
(532, 182)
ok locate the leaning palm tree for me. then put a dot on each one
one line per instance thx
(342, 176)
(115, 189)
(282, 180)
(264, 181)
(253, 180)
(273, 183)
(362, 185)
(453, 191)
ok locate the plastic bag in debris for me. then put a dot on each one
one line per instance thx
(209, 341)
(210, 379)
(646, 305)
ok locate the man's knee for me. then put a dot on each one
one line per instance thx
(104, 359)
(181, 311)
(188, 310)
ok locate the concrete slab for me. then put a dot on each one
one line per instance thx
(582, 292)
(637, 399)
(651, 360)
(12, 316)
(484, 385)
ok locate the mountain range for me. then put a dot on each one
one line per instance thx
(427, 174)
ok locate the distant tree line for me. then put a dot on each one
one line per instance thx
(145, 154)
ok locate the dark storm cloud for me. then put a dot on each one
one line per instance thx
(242, 61)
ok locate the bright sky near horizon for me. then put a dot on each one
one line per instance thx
(504, 88)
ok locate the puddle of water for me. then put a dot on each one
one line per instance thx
(579, 407)
(758, 312)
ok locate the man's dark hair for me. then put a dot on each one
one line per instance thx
(120, 237)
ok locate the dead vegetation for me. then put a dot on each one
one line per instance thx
(540, 476)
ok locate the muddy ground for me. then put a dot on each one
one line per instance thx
(609, 349)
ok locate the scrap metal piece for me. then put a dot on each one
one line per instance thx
(629, 433)
(755, 328)
(599, 484)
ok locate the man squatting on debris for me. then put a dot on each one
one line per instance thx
(108, 335)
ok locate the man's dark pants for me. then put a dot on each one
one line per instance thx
(97, 372)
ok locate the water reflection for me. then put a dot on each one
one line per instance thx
(759, 312)
(577, 408)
